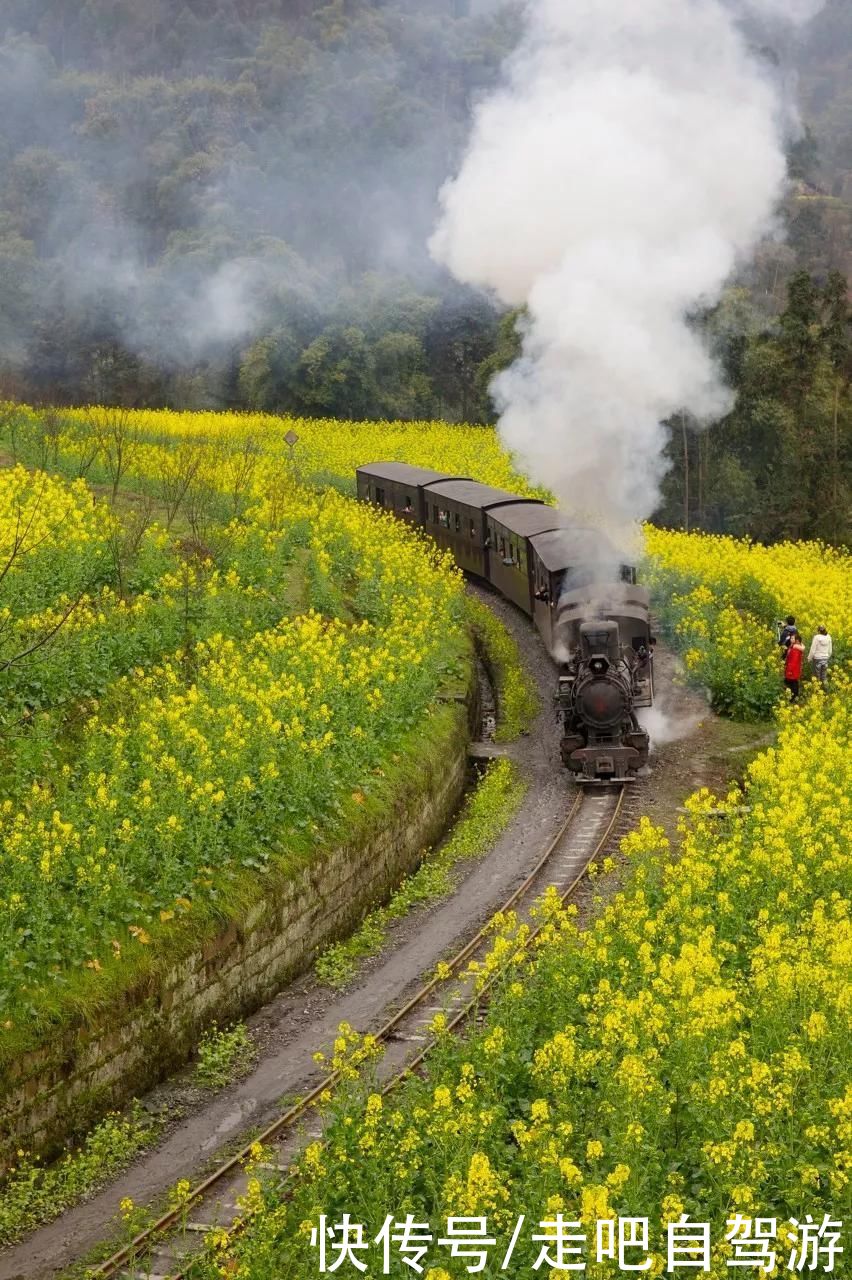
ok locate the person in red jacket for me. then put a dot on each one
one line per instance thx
(793, 666)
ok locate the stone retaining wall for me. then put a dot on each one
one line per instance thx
(58, 1091)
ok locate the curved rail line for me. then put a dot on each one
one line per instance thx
(125, 1261)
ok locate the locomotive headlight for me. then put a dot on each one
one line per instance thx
(599, 666)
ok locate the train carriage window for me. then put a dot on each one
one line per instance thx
(628, 574)
(407, 505)
(444, 519)
(542, 583)
(502, 548)
(458, 523)
(380, 497)
(473, 528)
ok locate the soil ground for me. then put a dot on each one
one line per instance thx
(707, 751)
(305, 1017)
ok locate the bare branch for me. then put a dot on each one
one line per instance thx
(48, 635)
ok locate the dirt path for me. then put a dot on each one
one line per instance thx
(305, 1016)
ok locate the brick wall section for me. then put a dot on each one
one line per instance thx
(58, 1091)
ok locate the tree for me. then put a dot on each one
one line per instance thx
(459, 338)
(336, 374)
(779, 464)
(507, 350)
(837, 335)
(404, 388)
(118, 442)
(268, 371)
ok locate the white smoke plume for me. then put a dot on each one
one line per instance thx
(664, 726)
(632, 157)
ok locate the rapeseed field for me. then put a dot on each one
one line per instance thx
(239, 643)
(719, 598)
(682, 1057)
(182, 705)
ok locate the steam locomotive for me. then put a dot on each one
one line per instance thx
(582, 598)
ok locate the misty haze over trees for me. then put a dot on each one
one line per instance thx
(213, 204)
(229, 203)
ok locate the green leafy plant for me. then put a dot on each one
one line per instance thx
(518, 702)
(224, 1055)
(34, 1194)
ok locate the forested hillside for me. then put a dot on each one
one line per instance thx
(780, 465)
(178, 181)
(825, 64)
(212, 204)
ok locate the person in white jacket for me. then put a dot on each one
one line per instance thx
(820, 652)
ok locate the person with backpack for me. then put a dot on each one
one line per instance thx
(787, 632)
(820, 653)
(793, 665)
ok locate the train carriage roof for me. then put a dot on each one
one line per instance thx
(472, 494)
(402, 473)
(529, 518)
(569, 547)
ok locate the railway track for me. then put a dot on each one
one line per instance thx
(166, 1249)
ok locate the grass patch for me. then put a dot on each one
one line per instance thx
(487, 812)
(34, 1194)
(736, 744)
(224, 1055)
(518, 702)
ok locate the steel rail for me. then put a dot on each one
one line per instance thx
(411, 1067)
(128, 1253)
(467, 1009)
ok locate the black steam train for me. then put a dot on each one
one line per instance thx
(584, 601)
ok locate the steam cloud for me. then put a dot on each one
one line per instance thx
(664, 726)
(633, 155)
